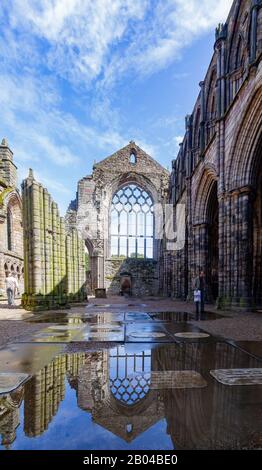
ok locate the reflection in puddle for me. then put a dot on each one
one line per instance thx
(135, 396)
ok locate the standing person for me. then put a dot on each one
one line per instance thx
(199, 285)
(197, 300)
(11, 288)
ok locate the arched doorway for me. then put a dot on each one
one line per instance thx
(206, 233)
(257, 233)
(89, 267)
(212, 244)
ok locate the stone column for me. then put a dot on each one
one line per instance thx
(220, 47)
(202, 116)
(189, 163)
(200, 232)
(236, 256)
(244, 264)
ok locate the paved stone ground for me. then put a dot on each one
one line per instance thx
(238, 326)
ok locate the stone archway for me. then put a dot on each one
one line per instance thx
(206, 233)
(89, 267)
(212, 244)
(242, 285)
(256, 287)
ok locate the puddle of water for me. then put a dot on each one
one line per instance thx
(27, 358)
(182, 317)
(9, 381)
(129, 397)
(252, 347)
(192, 335)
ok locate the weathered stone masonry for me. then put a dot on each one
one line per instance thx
(11, 229)
(54, 260)
(218, 171)
(90, 214)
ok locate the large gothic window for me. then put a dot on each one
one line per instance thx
(132, 223)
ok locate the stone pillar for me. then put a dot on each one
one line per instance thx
(235, 242)
(244, 263)
(220, 47)
(200, 246)
(202, 116)
(189, 163)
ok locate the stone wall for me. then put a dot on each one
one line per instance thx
(218, 169)
(90, 214)
(54, 260)
(144, 279)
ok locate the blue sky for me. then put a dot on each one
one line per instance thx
(79, 79)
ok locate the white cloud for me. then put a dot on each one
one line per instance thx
(178, 140)
(159, 42)
(86, 40)
(91, 44)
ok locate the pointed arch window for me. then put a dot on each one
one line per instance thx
(9, 230)
(132, 158)
(132, 223)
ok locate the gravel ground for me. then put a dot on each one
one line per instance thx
(11, 330)
(235, 326)
(239, 328)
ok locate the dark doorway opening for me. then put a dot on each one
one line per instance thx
(212, 245)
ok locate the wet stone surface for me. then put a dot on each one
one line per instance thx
(9, 381)
(238, 376)
(145, 383)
